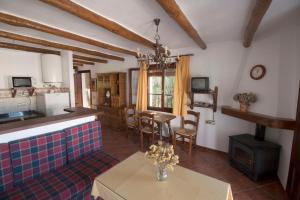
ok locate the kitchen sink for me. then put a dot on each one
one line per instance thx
(19, 116)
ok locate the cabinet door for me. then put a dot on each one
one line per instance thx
(78, 90)
(122, 89)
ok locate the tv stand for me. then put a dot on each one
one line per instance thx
(213, 105)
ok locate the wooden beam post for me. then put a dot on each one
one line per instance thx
(21, 22)
(75, 56)
(27, 48)
(83, 62)
(42, 42)
(257, 14)
(77, 64)
(174, 11)
(99, 20)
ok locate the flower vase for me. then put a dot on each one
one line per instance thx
(243, 107)
(162, 173)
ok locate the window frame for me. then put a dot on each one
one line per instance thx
(130, 84)
(162, 74)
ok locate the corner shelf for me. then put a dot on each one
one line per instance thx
(261, 119)
(202, 104)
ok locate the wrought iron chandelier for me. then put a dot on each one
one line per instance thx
(162, 56)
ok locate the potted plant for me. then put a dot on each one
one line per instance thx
(245, 99)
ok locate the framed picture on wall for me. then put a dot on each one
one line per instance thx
(94, 85)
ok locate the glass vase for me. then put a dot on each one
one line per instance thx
(162, 173)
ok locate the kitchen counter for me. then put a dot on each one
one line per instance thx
(75, 113)
(19, 116)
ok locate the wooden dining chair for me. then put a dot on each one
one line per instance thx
(185, 132)
(147, 127)
(131, 119)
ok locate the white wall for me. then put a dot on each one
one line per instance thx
(19, 63)
(228, 65)
(22, 63)
(288, 85)
(68, 77)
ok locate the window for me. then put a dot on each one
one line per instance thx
(160, 88)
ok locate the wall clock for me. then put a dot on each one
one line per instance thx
(258, 72)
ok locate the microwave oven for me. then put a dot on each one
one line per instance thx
(21, 82)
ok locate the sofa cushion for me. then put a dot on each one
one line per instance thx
(83, 139)
(73, 181)
(34, 156)
(6, 176)
(64, 183)
(95, 164)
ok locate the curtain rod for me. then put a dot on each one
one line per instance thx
(190, 54)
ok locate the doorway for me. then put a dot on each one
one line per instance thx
(293, 185)
(83, 95)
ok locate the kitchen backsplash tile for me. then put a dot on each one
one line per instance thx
(17, 104)
(23, 92)
(22, 101)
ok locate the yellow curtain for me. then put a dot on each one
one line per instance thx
(141, 101)
(181, 87)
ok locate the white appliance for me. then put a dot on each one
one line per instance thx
(52, 103)
(51, 68)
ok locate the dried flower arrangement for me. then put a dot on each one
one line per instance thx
(245, 100)
(163, 155)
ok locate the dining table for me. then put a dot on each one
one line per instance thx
(162, 118)
(135, 179)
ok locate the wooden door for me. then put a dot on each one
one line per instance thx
(293, 185)
(78, 90)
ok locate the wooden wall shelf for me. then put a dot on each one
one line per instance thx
(261, 119)
(213, 105)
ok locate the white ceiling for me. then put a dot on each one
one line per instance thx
(215, 20)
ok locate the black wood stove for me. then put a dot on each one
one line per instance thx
(254, 156)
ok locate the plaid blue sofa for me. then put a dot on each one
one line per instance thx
(57, 165)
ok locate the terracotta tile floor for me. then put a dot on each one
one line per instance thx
(205, 161)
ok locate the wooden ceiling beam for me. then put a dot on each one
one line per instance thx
(42, 42)
(27, 48)
(174, 11)
(92, 17)
(77, 64)
(89, 58)
(83, 62)
(257, 14)
(22, 22)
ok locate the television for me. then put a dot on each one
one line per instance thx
(200, 84)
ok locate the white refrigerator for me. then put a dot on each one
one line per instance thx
(52, 103)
